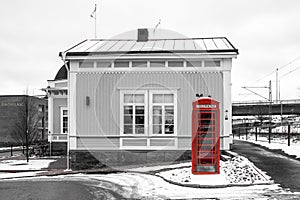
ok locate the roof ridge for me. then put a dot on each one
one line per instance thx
(155, 39)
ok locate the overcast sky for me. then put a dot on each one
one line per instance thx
(266, 32)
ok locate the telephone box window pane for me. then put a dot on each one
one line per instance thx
(127, 129)
(206, 115)
(169, 129)
(139, 63)
(168, 98)
(157, 63)
(157, 98)
(157, 129)
(139, 98)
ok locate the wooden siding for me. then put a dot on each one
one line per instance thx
(101, 115)
(57, 104)
(162, 142)
(99, 143)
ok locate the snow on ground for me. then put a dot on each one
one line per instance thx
(236, 171)
(293, 149)
(146, 186)
(9, 148)
(18, 165)
(158, 167)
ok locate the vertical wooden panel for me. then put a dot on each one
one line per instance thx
(102, 116)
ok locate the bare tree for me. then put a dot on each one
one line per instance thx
(25, 129)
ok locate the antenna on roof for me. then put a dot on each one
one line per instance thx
(156, 27)
(94, 15)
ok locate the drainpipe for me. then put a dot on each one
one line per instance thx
(63, 57)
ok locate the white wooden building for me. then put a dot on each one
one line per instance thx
(136, 95)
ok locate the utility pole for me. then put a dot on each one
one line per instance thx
(270, 104)
(270, 110)
(26, 127)
(277, 86)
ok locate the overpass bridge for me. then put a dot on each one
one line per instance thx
(283, 107)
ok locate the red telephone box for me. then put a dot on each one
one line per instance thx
(206, 136)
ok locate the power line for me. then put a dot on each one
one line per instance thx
(289, 72)
(281, 67)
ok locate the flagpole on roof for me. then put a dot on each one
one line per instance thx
(94, 15)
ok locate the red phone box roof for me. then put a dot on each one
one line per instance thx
(206, 103)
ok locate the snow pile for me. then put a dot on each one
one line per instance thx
(238, 170)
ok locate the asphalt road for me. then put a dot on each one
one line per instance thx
(283, 170)
(39, 189)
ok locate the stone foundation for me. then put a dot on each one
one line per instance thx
(99, 159)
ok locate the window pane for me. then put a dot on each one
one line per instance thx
(128, 110)
(139, 98)
(86, 64)
(194, 64)
(212, 63)
(65, 112)
(157, 129)
(119, 64)
(139, 129)
(157, 98)
(157, 120)
(168, 98)
(169, 129)
(128, 129)
(175, 63)
(104, 64)
(139, 110)
(157, 110)
(169, 119)
(128, 119)
(139, 120)
(128, 98)
(169, 110)
(139, 63)
(157, 63)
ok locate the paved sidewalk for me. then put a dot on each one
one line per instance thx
(282, 168)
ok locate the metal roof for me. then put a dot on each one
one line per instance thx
(130, 46)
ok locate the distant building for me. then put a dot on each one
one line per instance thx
(12, 107)
(57, 92)
(131, 100)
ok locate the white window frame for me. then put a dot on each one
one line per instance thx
(62, 109)
(151, 104)
(145, 104)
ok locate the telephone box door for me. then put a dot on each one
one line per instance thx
(206, 136)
